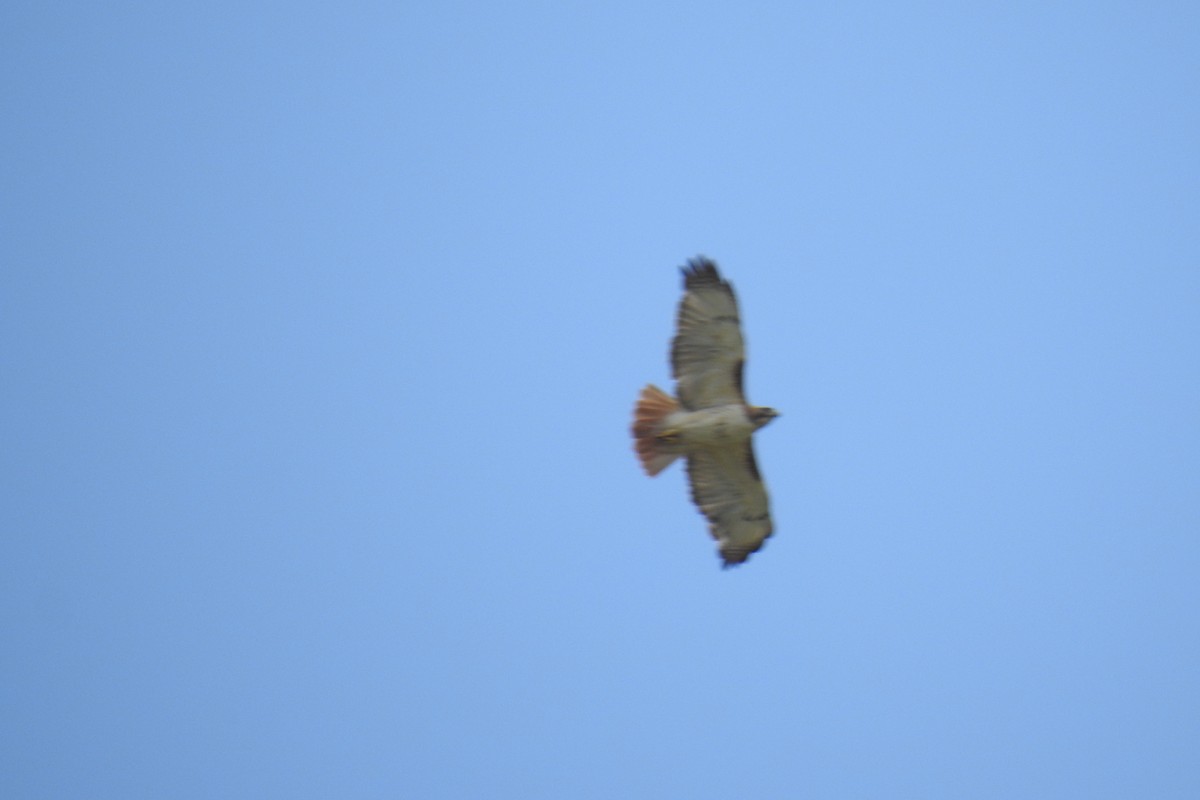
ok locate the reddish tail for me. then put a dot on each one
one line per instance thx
(653, 407)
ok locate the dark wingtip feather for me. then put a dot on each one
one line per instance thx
(701, 271)
(736, 556)
(733, 558)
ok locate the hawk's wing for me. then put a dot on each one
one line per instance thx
(729, 491)
(707, 352)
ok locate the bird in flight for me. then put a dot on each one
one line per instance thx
(709, 421)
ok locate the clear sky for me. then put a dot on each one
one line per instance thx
(320, 329)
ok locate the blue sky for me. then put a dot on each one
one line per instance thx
(321, 328)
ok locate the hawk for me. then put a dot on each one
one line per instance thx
(709, 421)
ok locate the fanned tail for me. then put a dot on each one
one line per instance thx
(653, 407)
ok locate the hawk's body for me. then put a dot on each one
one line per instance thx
(710, 423)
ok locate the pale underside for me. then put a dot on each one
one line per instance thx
(707, 358)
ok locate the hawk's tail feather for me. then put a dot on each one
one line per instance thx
(653, 407)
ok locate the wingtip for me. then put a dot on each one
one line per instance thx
(731, 561)
(699, 271)
(736, 556)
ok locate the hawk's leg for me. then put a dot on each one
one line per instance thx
(668, 436)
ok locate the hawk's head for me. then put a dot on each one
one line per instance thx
(761, 415)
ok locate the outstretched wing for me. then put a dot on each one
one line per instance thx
(729, 491)
(707, 352)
